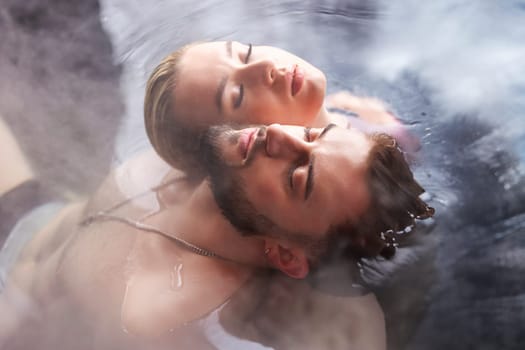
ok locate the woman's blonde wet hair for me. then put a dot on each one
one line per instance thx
(174, 141)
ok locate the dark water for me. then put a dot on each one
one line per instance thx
(455, 71)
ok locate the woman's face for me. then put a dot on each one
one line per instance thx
(229, 82)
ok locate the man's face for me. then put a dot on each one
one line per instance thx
(225, 82)
(303, 180)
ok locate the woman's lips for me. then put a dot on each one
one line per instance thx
(297, 80)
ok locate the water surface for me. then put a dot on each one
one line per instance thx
(454, 71)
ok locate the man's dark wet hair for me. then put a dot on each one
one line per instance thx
(395, 203)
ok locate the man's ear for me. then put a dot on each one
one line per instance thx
(288, 258)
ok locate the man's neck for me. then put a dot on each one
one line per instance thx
(204, 226)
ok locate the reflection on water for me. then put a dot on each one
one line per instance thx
(454, 71)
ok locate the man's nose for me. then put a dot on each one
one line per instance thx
(280, 143)
(259, 71)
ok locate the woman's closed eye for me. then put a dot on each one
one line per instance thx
(238, 101)
(239, 98)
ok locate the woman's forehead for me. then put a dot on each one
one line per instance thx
(198, 80)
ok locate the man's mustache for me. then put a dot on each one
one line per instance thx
(259, 145)
(210, 145)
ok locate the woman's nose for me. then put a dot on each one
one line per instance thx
(259, 71)
(281, 143)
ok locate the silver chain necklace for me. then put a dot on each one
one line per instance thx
(106, 215)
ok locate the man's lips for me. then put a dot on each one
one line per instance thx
(297, 80)
(246, 141)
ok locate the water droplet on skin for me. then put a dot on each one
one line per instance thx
(176, 277)
(122, 308)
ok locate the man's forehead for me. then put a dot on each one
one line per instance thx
(341, 176)
(352, 144)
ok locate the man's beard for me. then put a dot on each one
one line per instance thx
(227, 186)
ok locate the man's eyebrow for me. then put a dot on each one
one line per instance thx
(325, 130)
(310, 177)
(222, 83)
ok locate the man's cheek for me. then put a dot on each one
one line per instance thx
(267, 195)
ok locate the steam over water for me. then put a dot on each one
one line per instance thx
(454, 71)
